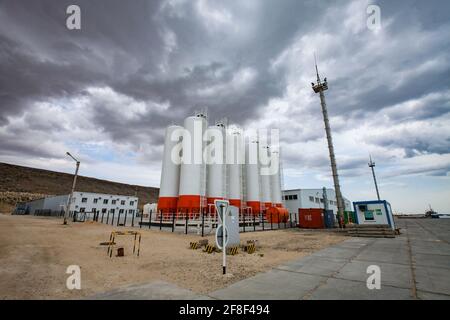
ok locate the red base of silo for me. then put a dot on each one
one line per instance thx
(190, 204)
(167, 204)
(255, 207)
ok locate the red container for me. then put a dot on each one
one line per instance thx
(311, 218)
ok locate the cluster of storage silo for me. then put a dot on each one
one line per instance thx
(192, 177)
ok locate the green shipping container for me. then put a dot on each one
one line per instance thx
(349, 216)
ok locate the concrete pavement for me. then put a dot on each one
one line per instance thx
(414, 265)
(156, 290)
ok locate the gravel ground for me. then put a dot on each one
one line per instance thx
(36, 251)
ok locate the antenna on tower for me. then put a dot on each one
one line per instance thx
(317, 70)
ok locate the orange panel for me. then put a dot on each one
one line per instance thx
(189, 203)
(235, 202)
(167, 204)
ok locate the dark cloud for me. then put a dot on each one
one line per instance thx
(136, 67)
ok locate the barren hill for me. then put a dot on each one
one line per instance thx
(19, 183)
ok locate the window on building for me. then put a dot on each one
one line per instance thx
(94, 210)
(317, 200)
(104, 210)
(295, 197)
(82, 209)
(122, 202)
(331, 202)
(121, 211)
(311, 199)
(83, 199)
(368, 215)
(131, 211)
(73, 199)
(131, 203)
(112, 210)
(95, 200)
(113, 201)
(105, 201)
(321, 200)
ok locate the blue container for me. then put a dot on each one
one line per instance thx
(328, 217)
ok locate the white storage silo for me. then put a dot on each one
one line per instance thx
(252, 175)
(193, 168)
(234, 157)
(215, 166)
(276, 180)
(266, 193)
(170, 173)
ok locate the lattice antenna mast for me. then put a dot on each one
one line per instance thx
(320, 87)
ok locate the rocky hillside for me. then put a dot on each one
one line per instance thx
(19, 183)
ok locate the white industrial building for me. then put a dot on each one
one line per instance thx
(312, 198)
(85, 202)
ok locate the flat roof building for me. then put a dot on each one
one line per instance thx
(295, 199)
(88, 202)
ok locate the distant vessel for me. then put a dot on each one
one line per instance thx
(433, 214)
(430, 213)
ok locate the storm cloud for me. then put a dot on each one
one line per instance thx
(107, 91)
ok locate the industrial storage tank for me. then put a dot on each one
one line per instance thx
(170, 173)
(193, 168)
(234, 156)
(215, 167)
(275, 179)
(252, 184)
(266, 193)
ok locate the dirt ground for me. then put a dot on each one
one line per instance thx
(36, 251)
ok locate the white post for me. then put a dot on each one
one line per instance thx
(69, 200)
(224, 248)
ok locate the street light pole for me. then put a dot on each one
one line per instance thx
(69, 200)
(372, 166)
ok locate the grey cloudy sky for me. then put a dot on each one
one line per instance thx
(106, 92)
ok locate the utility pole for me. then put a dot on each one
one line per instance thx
(320, 87)
(372, 166)
(73, 188)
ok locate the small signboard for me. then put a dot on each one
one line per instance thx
(221, 208)
(219, 237)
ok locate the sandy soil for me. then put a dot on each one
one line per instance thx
(36, 251)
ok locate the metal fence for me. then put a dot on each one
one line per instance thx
(201, 224)
(48, 213)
